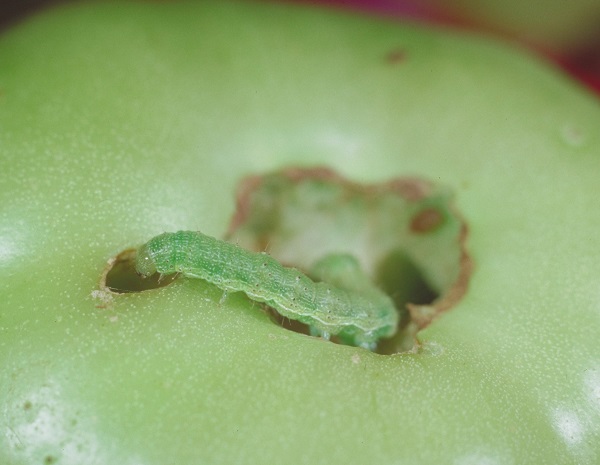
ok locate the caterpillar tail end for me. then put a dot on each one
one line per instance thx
(144, 265)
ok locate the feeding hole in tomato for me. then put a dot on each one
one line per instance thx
(405, 232)
(120, 276)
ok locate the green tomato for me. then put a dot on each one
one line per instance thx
(121, 121)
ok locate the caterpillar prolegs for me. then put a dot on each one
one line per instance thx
(343, 302)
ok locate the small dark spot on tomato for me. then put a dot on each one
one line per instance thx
(426, 221)
(395, 56)
(27, 405)
(49, 459)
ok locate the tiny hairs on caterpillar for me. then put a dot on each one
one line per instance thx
(343, 303)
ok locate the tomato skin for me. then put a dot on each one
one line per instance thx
(122, 121)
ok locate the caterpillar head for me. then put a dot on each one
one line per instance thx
(144, 264)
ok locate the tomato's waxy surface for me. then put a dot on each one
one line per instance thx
(121, 121)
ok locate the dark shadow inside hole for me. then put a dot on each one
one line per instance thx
(121, 277)
(403, 281)
(399, 277)
(293, 325)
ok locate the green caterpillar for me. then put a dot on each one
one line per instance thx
(344, 303)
